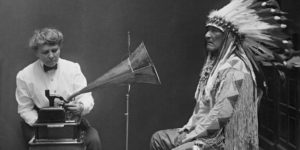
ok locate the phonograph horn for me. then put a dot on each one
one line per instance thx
(137, 68)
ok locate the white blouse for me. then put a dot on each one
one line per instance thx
(32, 82)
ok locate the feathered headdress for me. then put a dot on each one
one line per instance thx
(259, 26)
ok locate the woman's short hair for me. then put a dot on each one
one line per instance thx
(45, 36)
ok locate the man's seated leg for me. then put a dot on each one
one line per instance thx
(164, 139)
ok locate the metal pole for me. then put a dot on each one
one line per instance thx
(127, 116)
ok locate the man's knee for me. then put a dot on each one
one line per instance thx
(155, 137)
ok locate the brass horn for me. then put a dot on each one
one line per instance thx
(137, 68)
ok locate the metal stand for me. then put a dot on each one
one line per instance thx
(127, 116)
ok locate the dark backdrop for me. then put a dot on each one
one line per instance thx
(96, 37)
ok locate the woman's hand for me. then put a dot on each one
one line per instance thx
(74, 107)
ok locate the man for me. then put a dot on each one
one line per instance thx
(229, 89)
(59, 76)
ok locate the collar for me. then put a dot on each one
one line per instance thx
(46, 68)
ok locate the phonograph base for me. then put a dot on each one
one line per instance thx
(58, 144)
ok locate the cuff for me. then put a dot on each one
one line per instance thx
(87, 101)
(30, 117)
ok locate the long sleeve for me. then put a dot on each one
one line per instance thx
(223, 101)
(86, 99)
(25, 103)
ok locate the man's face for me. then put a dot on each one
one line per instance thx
(48, 54)
(214, 39)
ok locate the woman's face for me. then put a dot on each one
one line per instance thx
(214, 38)
(48, 54)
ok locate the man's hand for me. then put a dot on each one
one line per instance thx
(74, 107)
(181, 130)
(179, 139)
